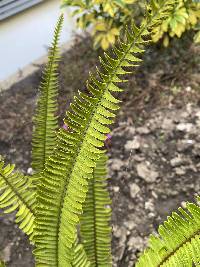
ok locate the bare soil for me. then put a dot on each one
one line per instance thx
(154, 153)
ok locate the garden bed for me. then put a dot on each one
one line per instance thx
(154, 153)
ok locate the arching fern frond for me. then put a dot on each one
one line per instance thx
(45, 120)
(95, 229)
(178, 242)
(65, 178)
(80, 258)
(15, 194)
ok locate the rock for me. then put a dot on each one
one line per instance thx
(131, 131)
(180, 171)
(167, 124)
(184, 127)
(116, 164)
(7, 252)
(116, 189)
(30, 171)
(175, 162)
(143, 130)
(183, 145)
(136, 243)
(133, 144)
(121, 233)
(149, 205)
(130, 225)
(134, 190)
(146, 172)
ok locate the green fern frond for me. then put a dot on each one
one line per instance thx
(15, 194)
(178, 242)
(45, 120)
(2, 264)
(95, 229)
(80, 258)
(64, 186)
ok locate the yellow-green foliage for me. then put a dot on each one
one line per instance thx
(184, 16)
(107, 17)
(178, 241)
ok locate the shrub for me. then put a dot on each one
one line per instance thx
(107, 17)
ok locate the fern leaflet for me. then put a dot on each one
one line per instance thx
(95, 229)
(80, 258)
(178, 243)
(15, 194)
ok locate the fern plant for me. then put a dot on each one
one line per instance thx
(64, 207)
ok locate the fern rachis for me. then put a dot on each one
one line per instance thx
(67, 170)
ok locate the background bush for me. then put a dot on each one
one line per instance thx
(106, 18)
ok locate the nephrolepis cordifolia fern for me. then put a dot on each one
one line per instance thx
(178, 242)
(45, 121)
(64, 186)
(95, 229)
(71, 166)
(16, 194)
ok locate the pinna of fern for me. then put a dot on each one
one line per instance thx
(178, 241)
(16, 195)
(64, 186)
(95, 228)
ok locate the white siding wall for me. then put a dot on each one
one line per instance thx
(24, 37)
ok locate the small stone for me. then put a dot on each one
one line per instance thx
(116, 189)
(146, 172)
(7, 252)
(149, 205)
(143, 130)
(136, 243)
(30, 171)
(188, 89)
(130, 225)
(184, 127)
(116, 164)
(183, 145)
(167, 124)
(183, 204)
(179, 171)
(132, 145)
(134, 190)
(175, 162)
(131, 130)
